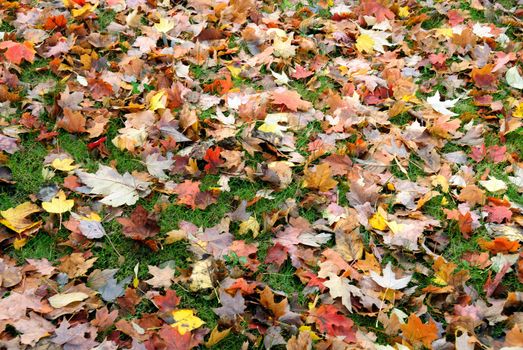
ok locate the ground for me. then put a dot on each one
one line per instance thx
(222, 71)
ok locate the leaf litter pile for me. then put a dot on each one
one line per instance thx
(250, 174)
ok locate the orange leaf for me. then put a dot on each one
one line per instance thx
(483, 77)
(319, 179)
(417, 333)
(499, 245)
(16, 52)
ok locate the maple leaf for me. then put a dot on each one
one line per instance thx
(388, 279)
(319, 179)
(185, 321)
(329, 321)
(231, 306)
(117, 189)
(499, 245)
(156, 165)
(340, 287)
(187, 192)
(418, 333)
(497, 213)
(162, 277)
(72, 121)
(212, 157)
(16, 52)
(167, 302)
(290, 99)
(442, 106)
(140, 225)
(483, 77)
(174, 340)
(104, 319)
(59, 204)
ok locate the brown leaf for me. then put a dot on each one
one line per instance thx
(75, 265)
(72, 121)
(140, 225)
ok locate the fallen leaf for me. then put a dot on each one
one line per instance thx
(64, 299)
(59, 204)
(185, 321)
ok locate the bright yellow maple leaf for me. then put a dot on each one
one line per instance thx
(158, 101)
(185, 321)
(63, 164)
(365, 43)
(59, 204)
(17, 218)
(378, 221)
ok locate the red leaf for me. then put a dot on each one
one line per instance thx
(54, 22)
(329, 321)
(167, 302)
(212, 157)
(465, 224)
(497, 153)
(491, 285)
(454, 18)
(16, 52)
(478, 153)
(277, 254)
(497, 213)
(187, 192)
(376, 9)
(174, 340)
(300, 72)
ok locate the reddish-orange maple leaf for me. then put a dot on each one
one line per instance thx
(483, 77)
(187, 192)
(212, 157)
(329, 321)
(499, 245)
(16, 52)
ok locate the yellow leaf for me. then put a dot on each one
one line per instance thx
(365, 43)
(378, 221)
(403, 11)
(164, 25)
(16, 218)
(19, 243)
(63, 164)
(441, 181)
(395, 227)
(87, 8)
(250, 225)
(309, 330)
(158, 101)
(185, 321)
(518, 113)
(59, 204)
(217, 336)
(445, 32)
(235, 71)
